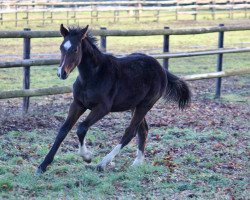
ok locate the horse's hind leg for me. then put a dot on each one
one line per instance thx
(130, 132)
(142, 134)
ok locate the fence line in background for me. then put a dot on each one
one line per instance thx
(104, 33)
(132, 9)
(68, 89)
(49, 61)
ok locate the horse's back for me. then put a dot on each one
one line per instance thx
(138, 67)
(138, 64)
(141, 79)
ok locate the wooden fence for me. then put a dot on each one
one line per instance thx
(103, 33)
(46, 11)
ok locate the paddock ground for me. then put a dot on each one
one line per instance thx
(200, 153)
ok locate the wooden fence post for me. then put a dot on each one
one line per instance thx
(26, 71)
(116, 15)
(219, 63)
(195, 10)
(27, 15)
(229, 9)
(103, 41)
(157, 15)
(51, 16)
(176, 10)
(165, 48)
(43, 18)
(212, 4)
(245, 9)
(1, 15)
(75, 14)
(16, 18)
(232, 9)
(67, 17)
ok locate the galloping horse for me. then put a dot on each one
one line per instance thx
(109, 84)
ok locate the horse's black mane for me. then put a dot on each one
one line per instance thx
(74, 30)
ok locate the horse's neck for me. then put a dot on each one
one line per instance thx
(90, 63)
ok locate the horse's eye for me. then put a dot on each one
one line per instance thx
(75, 50)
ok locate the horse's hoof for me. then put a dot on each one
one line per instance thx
(87, 160)
(87, 157)
(39, 172)
(100, 168)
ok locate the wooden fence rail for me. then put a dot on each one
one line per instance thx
(68, 89)
(43, 62)
(103, 33)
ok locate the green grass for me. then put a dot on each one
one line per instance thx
(203, 165)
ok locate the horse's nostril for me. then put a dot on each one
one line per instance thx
(64, 75)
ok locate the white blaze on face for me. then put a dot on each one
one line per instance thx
(59, 70)
(67, 45)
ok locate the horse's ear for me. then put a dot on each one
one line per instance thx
(84, 32)
(64, 32)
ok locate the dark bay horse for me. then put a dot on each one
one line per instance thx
(109, 84)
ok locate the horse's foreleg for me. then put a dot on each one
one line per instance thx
(75, 112)
(142, 136)
(96, 114)
(130, 132)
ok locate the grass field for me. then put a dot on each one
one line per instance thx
(206, 171)
(201, 153)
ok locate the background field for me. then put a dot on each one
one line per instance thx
(201, 153)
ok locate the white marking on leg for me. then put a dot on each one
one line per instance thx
(109, 157)
(84, 152)
(67, 45)
(139, 158)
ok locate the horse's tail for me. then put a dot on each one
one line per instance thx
(177, 90)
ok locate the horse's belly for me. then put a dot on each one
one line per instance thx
(127, 99)
(120, 108)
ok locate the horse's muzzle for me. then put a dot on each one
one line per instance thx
(62, 74)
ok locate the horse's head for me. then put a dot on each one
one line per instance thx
(71, 51)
